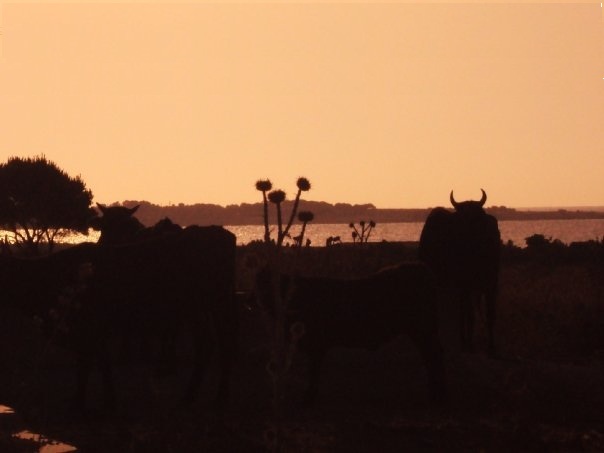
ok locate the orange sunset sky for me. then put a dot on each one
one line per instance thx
(391, 103)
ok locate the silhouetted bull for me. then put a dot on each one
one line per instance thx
(155, 287)
(362, 313)
(118, 225)
(463, 249)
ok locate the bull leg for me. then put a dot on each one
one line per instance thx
(470, 313)
(491, 314)
(83, 367)
(462, 322)
(431, 352)
(229, 342)
(469, 304)
(166, 363)
(228, 339)
(106, 371)
(315, 360)
(226, 355)
(203, 349)
(466, 322)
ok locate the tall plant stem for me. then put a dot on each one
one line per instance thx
(293, 213)
(267, 235)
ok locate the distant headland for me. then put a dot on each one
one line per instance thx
(251, 213)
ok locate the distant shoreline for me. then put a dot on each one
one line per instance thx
(563, 208)
(327, 213)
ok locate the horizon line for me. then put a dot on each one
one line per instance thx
(596, 207)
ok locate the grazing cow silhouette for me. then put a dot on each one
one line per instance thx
(164, 283)
(362, 313)
(463, 249)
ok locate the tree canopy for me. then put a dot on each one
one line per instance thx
(39, 202)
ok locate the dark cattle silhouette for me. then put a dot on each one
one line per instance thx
(48, 289)
(332, 240)
(156, 287)
(173, 280)
(118, 225)
(362, 313)
(120, 228)
(463, 249)
(36, 284)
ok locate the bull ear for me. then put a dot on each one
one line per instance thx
(102, 208)
(483, 200)
(452, 199)
(134, 209)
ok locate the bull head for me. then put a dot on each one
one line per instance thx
(104, 209)
(457, 204)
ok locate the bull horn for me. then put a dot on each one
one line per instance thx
(453, 202)
(483, 200)
(134, 209)
(102, 207)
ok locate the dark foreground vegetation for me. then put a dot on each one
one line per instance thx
(544, 393)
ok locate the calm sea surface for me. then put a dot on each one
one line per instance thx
(565, 230)
(515, 230)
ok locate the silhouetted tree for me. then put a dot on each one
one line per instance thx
(40, 202)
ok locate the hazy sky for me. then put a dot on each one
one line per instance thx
(394, 104)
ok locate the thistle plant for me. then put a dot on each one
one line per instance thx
(276, 317)
(264, 186)
(303, 185)
(363, 232)
(369, 230)
(277, 197)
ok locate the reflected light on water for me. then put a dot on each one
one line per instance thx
(6, 410)
(46, 445)
(75, 238)
(515, 230)
(511, 230)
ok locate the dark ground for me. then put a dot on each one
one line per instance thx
(545, 393)
(368, 402)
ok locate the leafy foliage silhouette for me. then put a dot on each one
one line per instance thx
(39, 202)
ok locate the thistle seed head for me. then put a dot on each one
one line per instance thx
(276, 196)
(264, 185)
(303, 184)
(306, 216)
